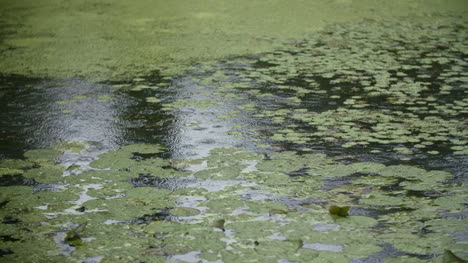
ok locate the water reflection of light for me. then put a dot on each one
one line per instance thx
(197, 130)
(92, 117)
(42, 114)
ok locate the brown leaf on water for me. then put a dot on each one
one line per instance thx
(219, 224)
(339, 210)
(277, 212)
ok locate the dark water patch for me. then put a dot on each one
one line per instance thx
(81, 209)
(390, 252)
(16, 179)
(41, 112)
(392, 188)
(143, 122)
(160, 215)
(375, 213)
(299, 81)
(9, 238)
(4, 252)
(458, 215)
(263, 64)
(429, 193)
(387, 251)
(166, 183)
(48, 187)
(10, 220)
(298, 173)
(37, 113)
(14, 96)
(461, 237)
(3, 203)
(330, 183)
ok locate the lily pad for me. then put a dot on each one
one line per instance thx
(184, 211)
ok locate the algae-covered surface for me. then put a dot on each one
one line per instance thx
(115, 39)
(215, 131)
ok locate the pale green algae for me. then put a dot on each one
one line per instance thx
(259, 230)
(9, 171)
(114, 39)
(123, 159)
(184, 211)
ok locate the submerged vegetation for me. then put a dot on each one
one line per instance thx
(344, 145)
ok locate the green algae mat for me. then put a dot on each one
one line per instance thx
(299, 141)
(114, 39)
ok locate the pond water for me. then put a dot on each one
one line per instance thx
(348, 144)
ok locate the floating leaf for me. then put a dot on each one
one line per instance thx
(339, 210)
(219, 224)
(277, 212)
(73, 237)
(184, 211)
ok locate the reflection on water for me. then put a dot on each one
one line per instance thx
(197, 129)
(36, 113)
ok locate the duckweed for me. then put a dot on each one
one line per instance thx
(371, 87)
